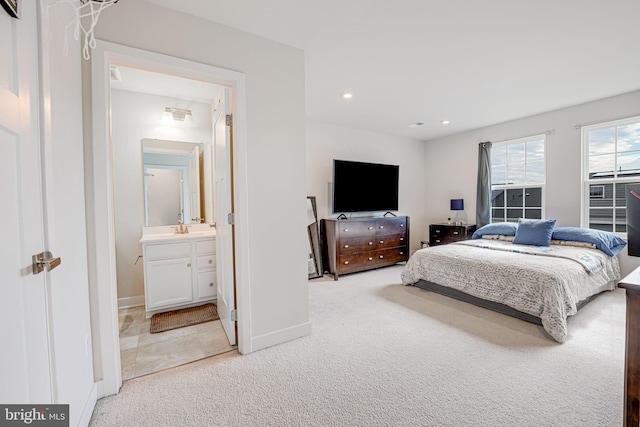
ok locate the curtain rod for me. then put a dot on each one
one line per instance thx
(546, 132)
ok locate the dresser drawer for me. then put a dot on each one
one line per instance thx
(167, 250)
(351, 263)
(441, 234)
(390, 256)
(206, 247)
(390, 241)
(356, 244)
(207, 261)
(346, 229)
(207, 284)
(391, 226)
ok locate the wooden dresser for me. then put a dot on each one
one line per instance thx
(359, 244)
(631, 411)
(441, 234)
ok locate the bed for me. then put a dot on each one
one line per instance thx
(539, 283)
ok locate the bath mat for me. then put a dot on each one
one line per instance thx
(175, 319)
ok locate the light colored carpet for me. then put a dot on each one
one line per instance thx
(383, 354)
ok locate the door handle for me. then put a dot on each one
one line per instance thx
(44, 261)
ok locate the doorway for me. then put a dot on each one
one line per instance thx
(163, 174)
(102, 233)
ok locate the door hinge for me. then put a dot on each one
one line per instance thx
(234, 315)
(229, 119)
(231, 218)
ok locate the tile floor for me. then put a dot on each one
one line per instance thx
(143, 353)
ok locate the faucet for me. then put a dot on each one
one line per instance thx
(182, 229)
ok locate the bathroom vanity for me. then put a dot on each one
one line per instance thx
(179, 269)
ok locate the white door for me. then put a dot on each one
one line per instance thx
(46, 341)
(223, 196)
(24, 360)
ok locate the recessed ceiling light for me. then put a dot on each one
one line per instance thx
(347, 95)
(445, 122)
(416, 124)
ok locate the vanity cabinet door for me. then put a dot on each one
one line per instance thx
(169, 282)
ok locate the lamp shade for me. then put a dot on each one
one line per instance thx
(457, 204)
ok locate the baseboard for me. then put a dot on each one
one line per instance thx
(281, 336)
(128, 302)
(89, 406)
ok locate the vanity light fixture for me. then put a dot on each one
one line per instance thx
(177, 114)
(445, 122)
(347, 95)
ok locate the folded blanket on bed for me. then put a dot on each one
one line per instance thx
(592, 261)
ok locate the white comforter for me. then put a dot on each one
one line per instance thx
(544, 285)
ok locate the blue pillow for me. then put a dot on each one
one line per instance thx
(534, 232)
(606, 241)
(501, 228)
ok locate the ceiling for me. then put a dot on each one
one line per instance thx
(473, 63)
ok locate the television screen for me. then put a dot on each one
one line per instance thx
(364, 187)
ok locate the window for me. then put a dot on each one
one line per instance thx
(517, 179)
(611, 160)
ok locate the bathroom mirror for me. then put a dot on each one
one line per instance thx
(177, 179)
(314, 260)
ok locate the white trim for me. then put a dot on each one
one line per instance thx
(587, 182)
(89, 406)
(522, 139)
(129, 302)
(542, 185)
(283, 335)
(100, 209)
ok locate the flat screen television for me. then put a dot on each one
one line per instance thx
(364, 187)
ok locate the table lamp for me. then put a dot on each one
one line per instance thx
(457, 205)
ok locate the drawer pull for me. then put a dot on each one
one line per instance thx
(189, 265)
(381, 256)
(382, 226)
(210, 261)
(437, 241)
(401, 239)
(401, 225)
(346, 262)
(211, 285)
(401, 253)
(346, 246)
(370, 258)
(370, 228)
(436, 231)
(455, 232)
(381, 241)
(371, 243)
(346, 229)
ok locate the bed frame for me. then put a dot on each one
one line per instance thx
(495, 306)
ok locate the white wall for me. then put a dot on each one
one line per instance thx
(327, 142)
(135, 116)
(276, 166)
(451, 162)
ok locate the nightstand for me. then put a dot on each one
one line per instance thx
(441, 234)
